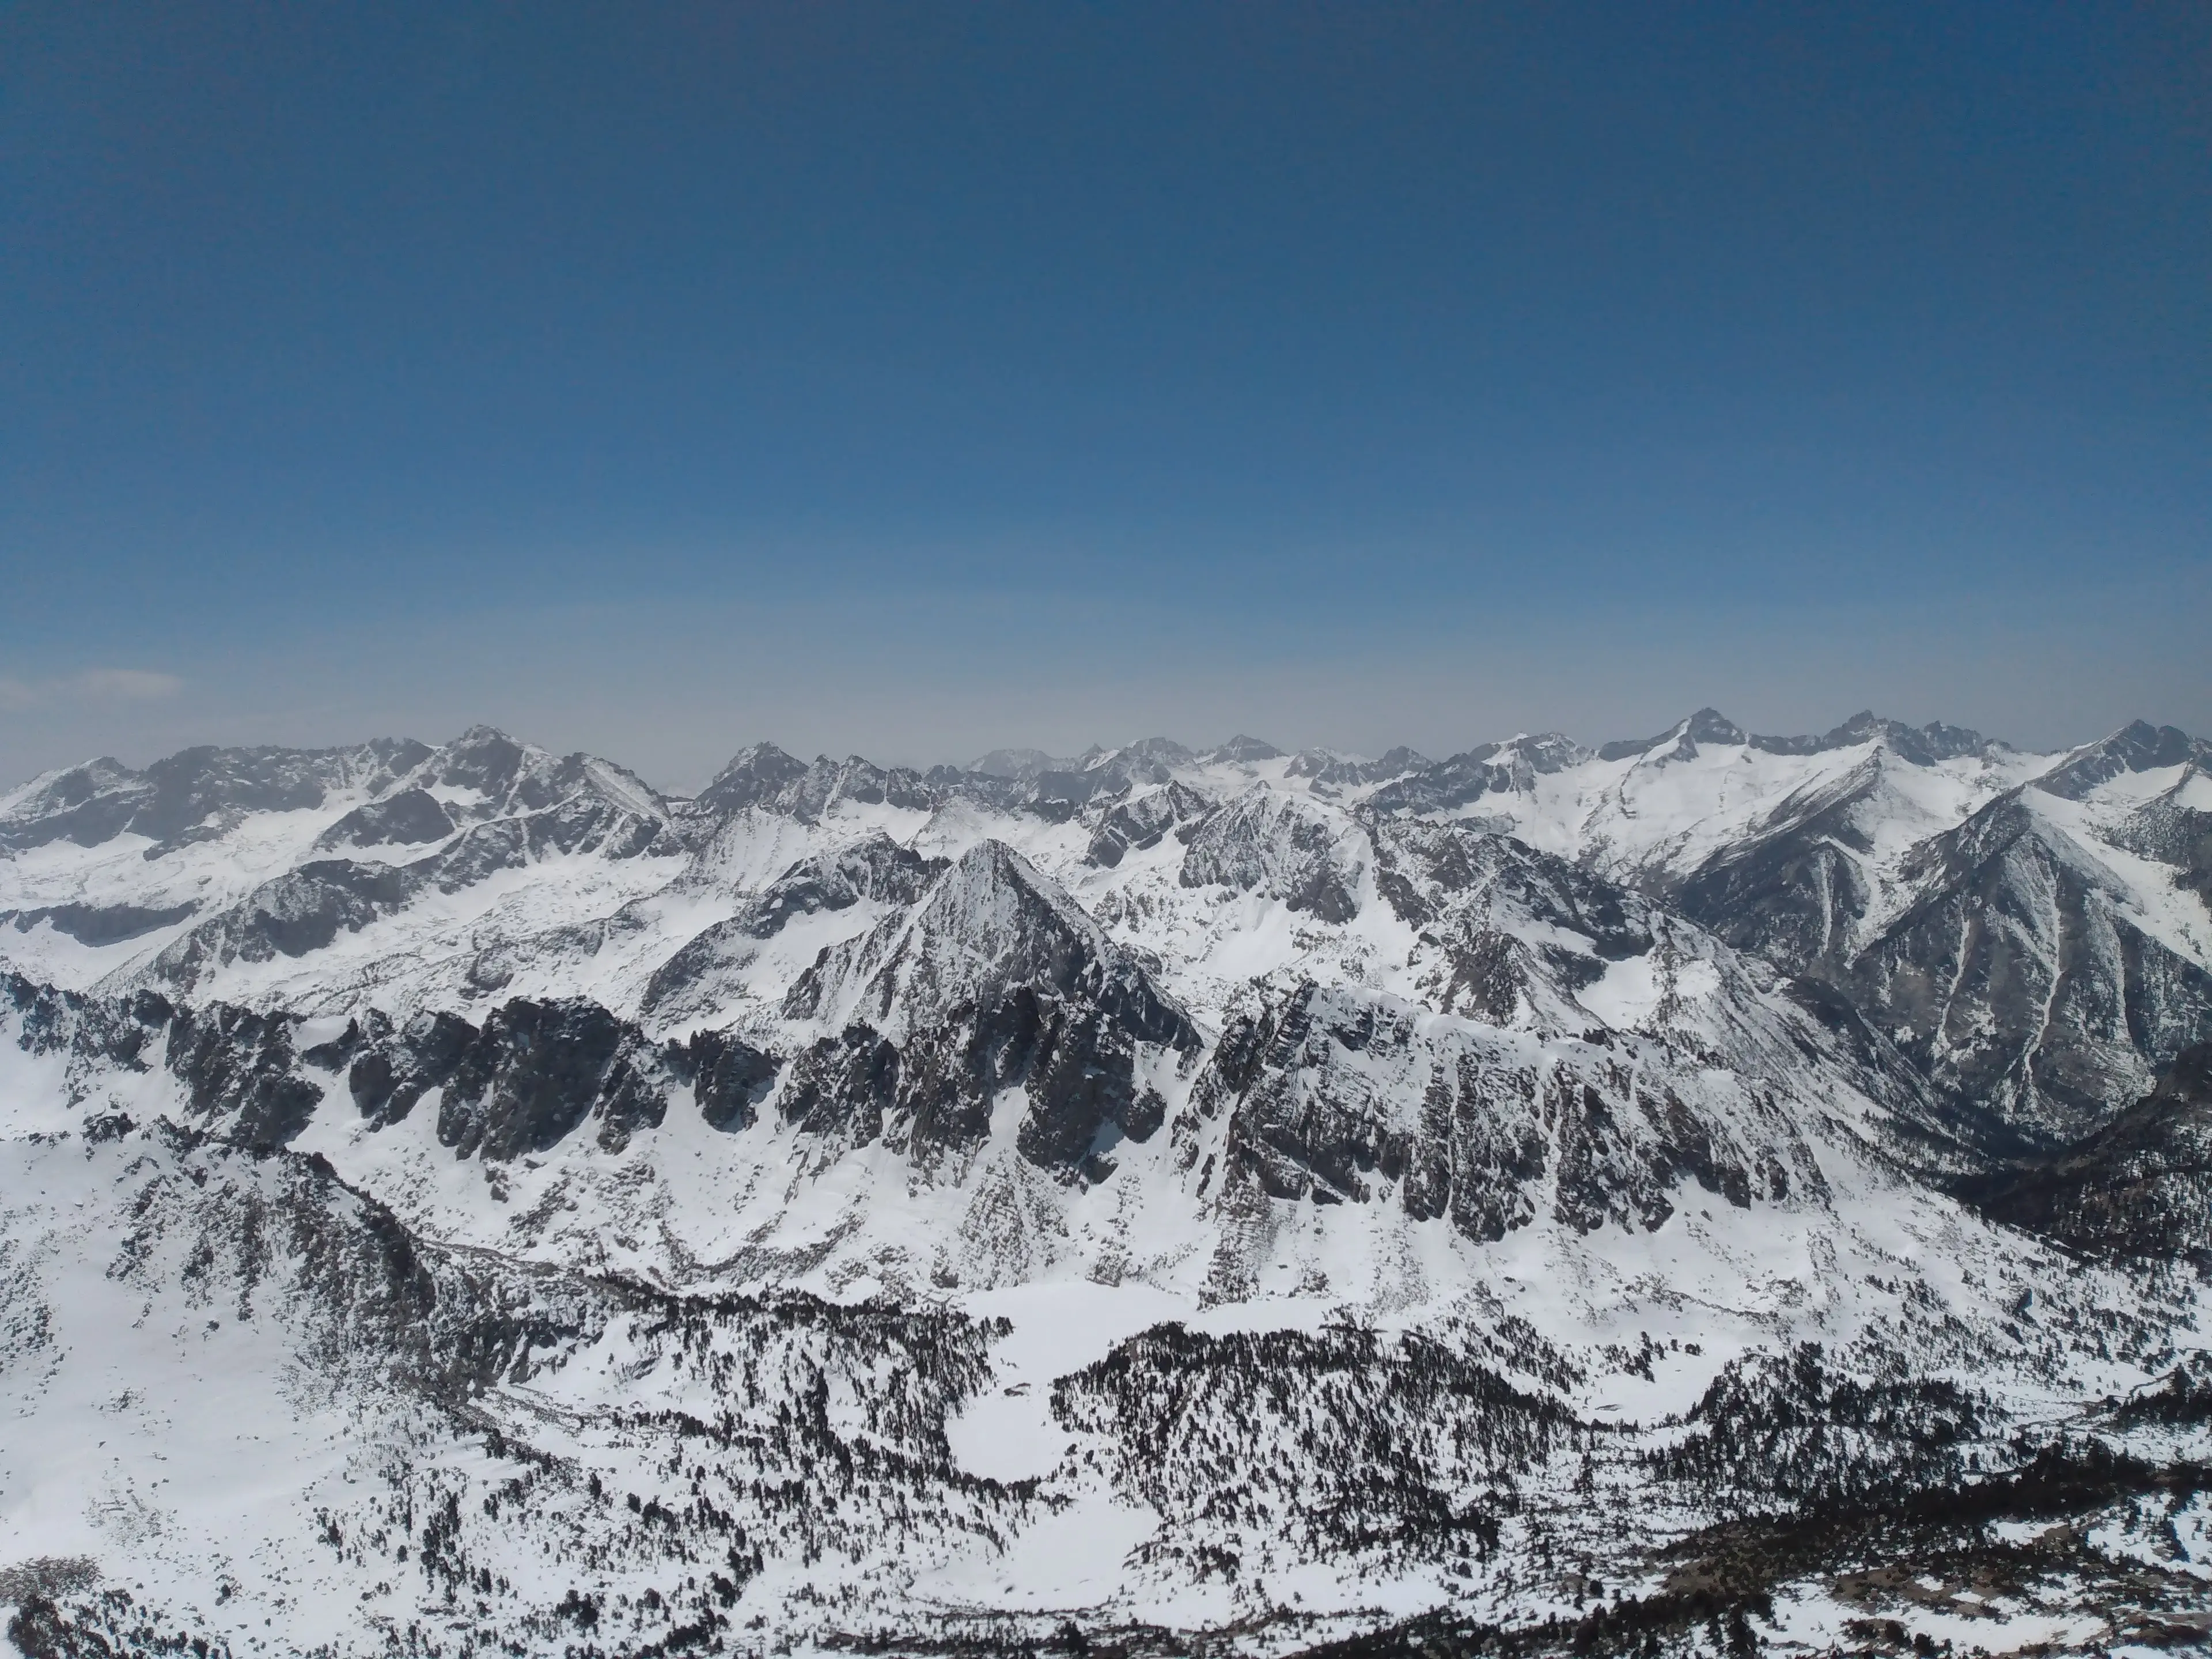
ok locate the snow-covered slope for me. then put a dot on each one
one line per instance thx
(1151, 1192)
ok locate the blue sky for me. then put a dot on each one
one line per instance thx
(915, 378)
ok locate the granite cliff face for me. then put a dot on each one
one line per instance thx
(1600, 1200)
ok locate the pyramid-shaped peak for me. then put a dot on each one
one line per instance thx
(1707, 726)
(2146, 747)
(483, 757)
(1243, 749)
(761, 759)
(1711, 725)
(989, 926)
(989, 875)
(755, 773)
(482, 737)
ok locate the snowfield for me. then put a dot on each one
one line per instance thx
(1711, 1193)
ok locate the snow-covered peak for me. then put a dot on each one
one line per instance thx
(1707, 725)
(1240, 750)
(754, 776)
(2138, 747)
(1311, 856)
(485, 774)
(196, 795)
(989, 925)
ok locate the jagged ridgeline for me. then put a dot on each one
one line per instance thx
(1705, 1194)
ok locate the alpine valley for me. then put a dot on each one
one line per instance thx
(1712, 1194)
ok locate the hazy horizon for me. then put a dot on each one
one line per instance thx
(689, 782)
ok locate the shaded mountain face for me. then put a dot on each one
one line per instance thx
(2141, 1186)
(1310, 858)
(1150, 1198)
(2038, 981)
(1139, 823)
(700, 977)
(2022, 983)
(1796, 891)
(100, 924)
(1333, 1096)
(195, 794)
(529, 1077)
(995, 981)
(407, 819)
(1492, 769)
(2140, 747)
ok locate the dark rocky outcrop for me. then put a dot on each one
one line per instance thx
(238, 1066)
(409, 819)
(2140, 1186)
(98, 925)
(393, 1069)
(728, 1076)
(844, 1088)
(1335, 1095)
(88, 1031)
(2020, 984)
(1287, 848)
(535, 1072)
(538, 1071)
(1143, 822)
(2139, 747)
(1488, 768)
(997, 980)
(531, 1075)
(1707, 726)
(196, 795)
(932, 1099)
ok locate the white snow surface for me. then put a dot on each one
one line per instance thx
(171, 1430)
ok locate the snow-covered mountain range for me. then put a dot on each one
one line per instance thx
(1701, 1193)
